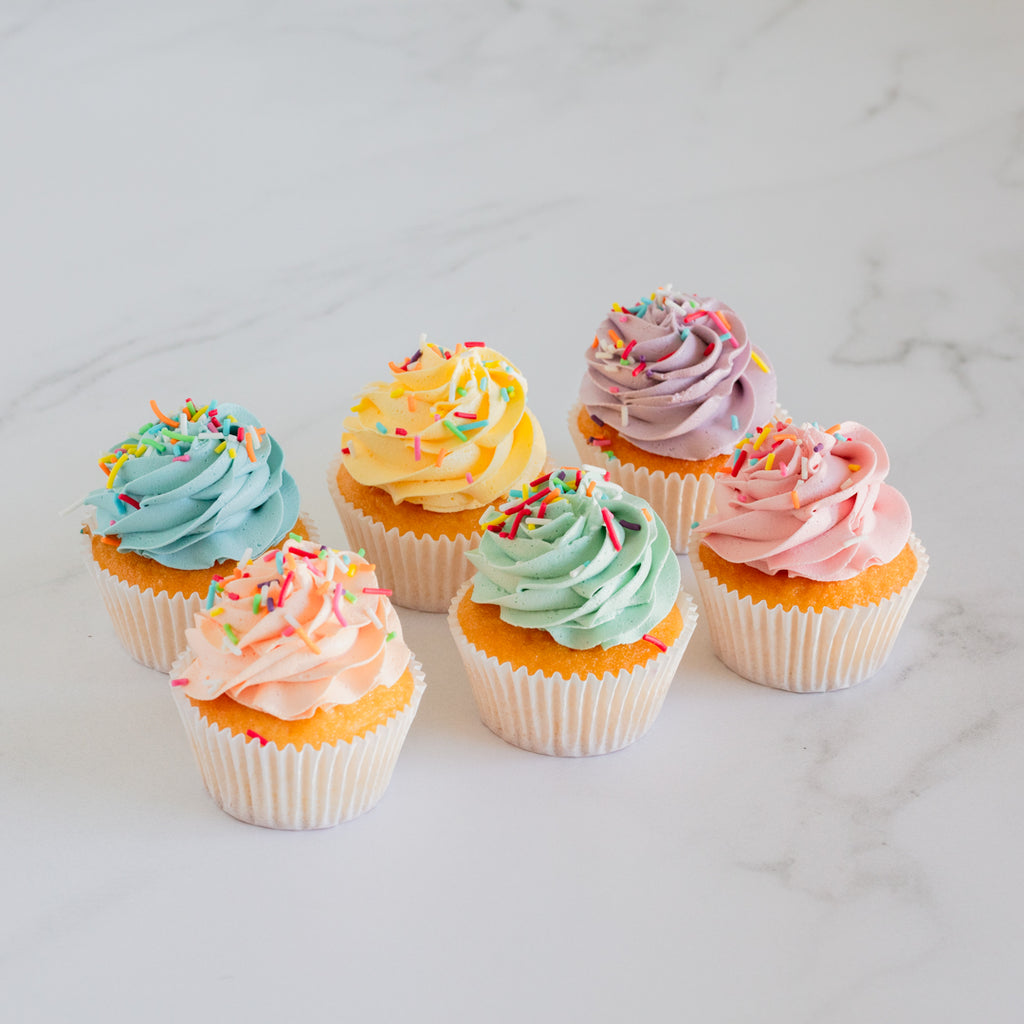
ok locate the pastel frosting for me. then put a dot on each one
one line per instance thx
(808, 502)
(578, 557)
(450, 430)
(676, 375)
(199, 487)
(294, 631)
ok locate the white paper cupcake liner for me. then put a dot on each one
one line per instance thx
(573, 716)
(422, 572)
(680, 500)
(804, 651)
(296, 789)
(151, 626)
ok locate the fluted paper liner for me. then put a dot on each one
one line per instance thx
(804, 651)
(151, 626)
(574, 716)
(422, 572)
(296, 789)
(679, 499)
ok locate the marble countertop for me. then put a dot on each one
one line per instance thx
(263, 201)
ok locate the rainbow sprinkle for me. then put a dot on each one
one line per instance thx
(609, 523)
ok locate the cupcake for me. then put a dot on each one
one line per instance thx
(809, 566)
(297, 689)
(574, 623)
(672, 383)
(186, 497)
(423, 455)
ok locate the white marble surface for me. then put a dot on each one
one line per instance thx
(262, 202)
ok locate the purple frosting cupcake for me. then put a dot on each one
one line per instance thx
(672, 383)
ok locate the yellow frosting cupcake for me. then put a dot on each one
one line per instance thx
(421, 457)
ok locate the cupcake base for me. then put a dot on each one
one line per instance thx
(151, 627)
(574, 715)
(804, 651)
(151, 624)
(297, 789)
(680, 499)
(422, 572)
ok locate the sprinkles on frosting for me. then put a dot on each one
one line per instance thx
(231, 594)
(529, 509)
(758, 449)
(166, 434)
(465, 412)
(627, 372)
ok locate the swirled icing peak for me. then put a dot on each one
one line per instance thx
(808, 502)
(295, 630)
(677, 376)
(450, 431)
(579, 557)
(199, 487)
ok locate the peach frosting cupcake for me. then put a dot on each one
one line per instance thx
(297, 689)
(423, 454)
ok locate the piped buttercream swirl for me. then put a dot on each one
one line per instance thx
(294, 631)
(578, 557)
(450, 431)
(676, 375)
(808, 502)
(198, 488)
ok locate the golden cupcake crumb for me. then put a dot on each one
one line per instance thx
(537, 651)
(149, 574)
(869, 587)
(631, 455)
(407, 516)
(340, 724)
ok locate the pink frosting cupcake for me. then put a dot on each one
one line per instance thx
(809, 566)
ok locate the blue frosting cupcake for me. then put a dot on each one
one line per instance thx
(186, 497)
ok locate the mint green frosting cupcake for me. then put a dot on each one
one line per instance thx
(579, 557)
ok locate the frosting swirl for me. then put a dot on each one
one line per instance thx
(197, 489)
(580, 558)
(296, 630)
(450, 431)
(809, 503)
(677, 376)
